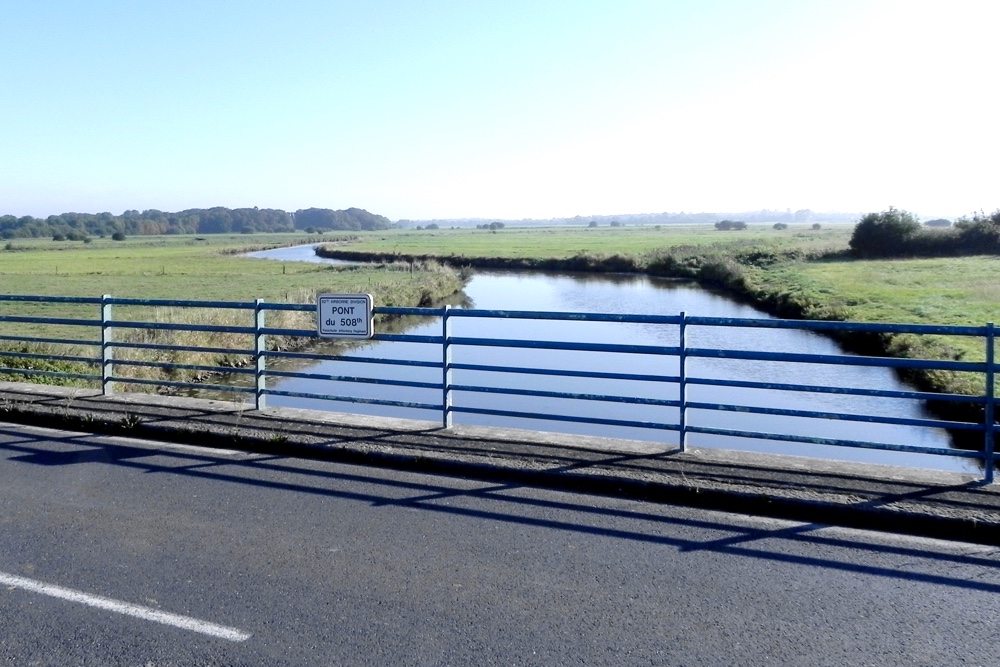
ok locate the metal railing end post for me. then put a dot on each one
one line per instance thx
(989, 411)
(682, 382)
(446, 396)
(259, 356)
(107, 350)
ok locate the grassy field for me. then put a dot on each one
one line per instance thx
(194, 269)
(563, 242)
(951, 291)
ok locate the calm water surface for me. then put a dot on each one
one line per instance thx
(630, 294)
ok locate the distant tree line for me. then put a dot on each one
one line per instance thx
(217, 220)
(897, 233)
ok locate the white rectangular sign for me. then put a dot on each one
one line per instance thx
(344, 315)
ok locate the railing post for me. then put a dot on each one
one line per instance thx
(446, 416)
(259, 358)
(107, 351)
(989, 415)
(682, 382)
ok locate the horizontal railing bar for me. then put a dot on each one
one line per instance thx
(222, 388)
(836, 360)
(595, 375)
(85, 300)
(354, 360)
(565, 316)
(290, 333)
(181, 303)
(853, 391)
(240, 370)
(288, 307)
(858, 444)
(180, 348)
(51, 341)
(353, 399)
(60, 321)
(538, 393)
(565, 418)
(353, 379)
(404, 310)
(558, 345)
(838, 416)
(167, 326)
(407, 338)
(826, 325)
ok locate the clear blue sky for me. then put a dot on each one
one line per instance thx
(502, 109)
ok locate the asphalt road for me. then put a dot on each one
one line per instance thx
(122, 552)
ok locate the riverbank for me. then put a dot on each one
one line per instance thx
(800, 282)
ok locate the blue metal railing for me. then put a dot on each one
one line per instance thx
(457, 376)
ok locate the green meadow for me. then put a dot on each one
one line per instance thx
(198, 268)
(186, 268)
(564, 242)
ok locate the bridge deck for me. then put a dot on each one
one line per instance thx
(930, 503)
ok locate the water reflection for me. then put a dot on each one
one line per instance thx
(629, 294)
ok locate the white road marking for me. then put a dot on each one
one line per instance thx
(170, 446)
(125, 440)
(134, 610)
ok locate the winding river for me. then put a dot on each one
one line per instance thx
(643, 294)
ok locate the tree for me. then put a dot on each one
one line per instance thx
(883, 234)
(726, 225)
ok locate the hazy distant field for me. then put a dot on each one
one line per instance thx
(560, 242)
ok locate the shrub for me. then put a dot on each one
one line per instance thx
(884, 234)
(726, 225)
(780, 225)
(118, 236)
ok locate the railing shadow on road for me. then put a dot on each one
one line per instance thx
(518, 504)
(442, 444)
